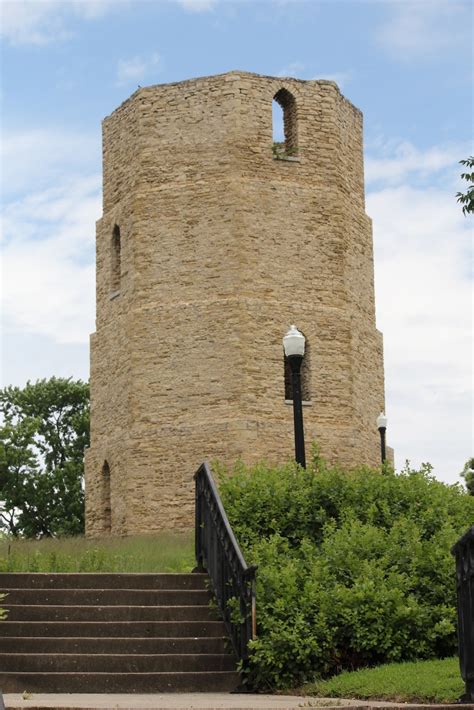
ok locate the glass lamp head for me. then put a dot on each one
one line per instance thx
(381, 421)
(293, 342)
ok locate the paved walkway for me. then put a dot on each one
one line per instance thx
(198, 701)
(164, 701)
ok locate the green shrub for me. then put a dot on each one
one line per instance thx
(354, 568)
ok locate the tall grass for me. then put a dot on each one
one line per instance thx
(163, 552)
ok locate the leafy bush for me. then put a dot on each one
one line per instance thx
(354, 568)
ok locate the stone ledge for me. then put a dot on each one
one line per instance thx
(287, 158)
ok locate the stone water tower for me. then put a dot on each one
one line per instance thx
(212, 242)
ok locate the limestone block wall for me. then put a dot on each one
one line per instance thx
(222, 247)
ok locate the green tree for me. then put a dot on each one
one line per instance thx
(468, 475)
(45, 427)
(467, 198)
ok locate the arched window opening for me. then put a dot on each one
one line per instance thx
(106, 501)
(115, 260)
(277, 123)
(285, 135)
(305, 376)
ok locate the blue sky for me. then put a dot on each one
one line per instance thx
(406, 64)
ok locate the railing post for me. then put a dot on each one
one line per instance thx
(254, 607)
(464, 553)
(198, 520)
(250, 623)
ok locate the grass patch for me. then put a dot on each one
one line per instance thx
(420, 681)
(163, 552)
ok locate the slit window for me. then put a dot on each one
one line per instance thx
(115, 260)
(305, 376)
(285, 135)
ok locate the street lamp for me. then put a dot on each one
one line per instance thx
(293, 344)
(382, 427)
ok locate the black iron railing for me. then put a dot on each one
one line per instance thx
(464, 553)
(218, 553)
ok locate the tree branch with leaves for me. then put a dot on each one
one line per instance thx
(466, 199)
(468, 474)
(44, 431)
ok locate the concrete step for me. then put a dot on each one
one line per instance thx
(194, 682)
(115, 663)
(102, 597)
(78, 644)
(86, 580)
(112, 633)
(39, 612)
(108, 629)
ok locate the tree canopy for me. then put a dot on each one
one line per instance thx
(468, 475)
(467, 198)
(44, 431)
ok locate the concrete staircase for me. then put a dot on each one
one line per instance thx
(112, 633)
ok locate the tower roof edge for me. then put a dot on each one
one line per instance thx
(231, 75)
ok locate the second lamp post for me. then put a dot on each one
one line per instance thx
(293, 344)
(382, 427)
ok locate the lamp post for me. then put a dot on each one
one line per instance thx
(293, 344)
(382, 427)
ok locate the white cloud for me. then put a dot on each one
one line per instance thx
(17, 363)
(28, 22)
(48, 261)
(40, 22)
(293, 69)
(93, 9)
(422, 252)
(51, 199)
(38, 157)
(136, 68)
(198, 5)
(422, 28)
(396, 162)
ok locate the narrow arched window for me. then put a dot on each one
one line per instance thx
(305, 376)
(106, 499)
(115, 260)
(285, 133)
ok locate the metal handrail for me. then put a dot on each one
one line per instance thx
(218, 553)
(463, 550)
